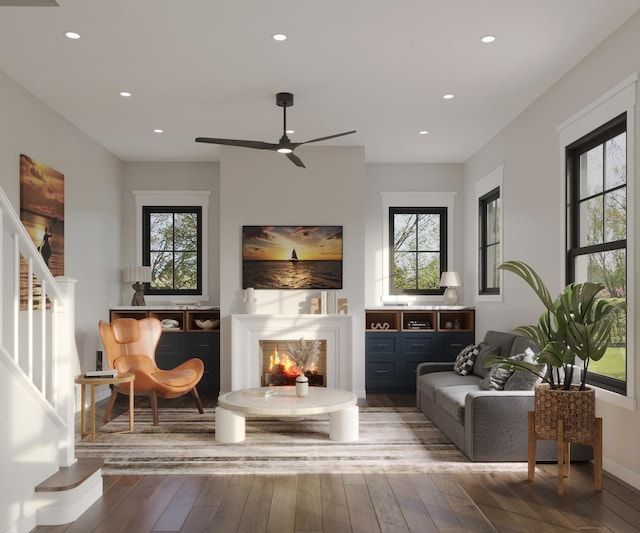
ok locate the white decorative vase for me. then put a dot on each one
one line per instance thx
(302, 385)
(250, 301)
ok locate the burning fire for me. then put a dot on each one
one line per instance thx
(285, 364)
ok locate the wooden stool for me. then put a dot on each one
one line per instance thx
(564, 458)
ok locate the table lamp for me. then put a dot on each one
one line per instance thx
(450, 280)
(138, 275)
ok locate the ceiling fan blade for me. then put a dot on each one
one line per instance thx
(327, 137)
(236, 142)
(296, 160)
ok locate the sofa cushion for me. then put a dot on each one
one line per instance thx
(451, 399)
(496, 378)
(484, 351)
(465, 360)
(503, 340)
(428, 383)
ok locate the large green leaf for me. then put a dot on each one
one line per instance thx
(531, 277)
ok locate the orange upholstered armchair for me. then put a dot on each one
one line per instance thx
(130, 346)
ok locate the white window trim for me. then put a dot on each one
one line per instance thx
(177, 198)
(413, 199)
(616, 101)
(493, 180)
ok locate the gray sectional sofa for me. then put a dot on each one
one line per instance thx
(487, 425)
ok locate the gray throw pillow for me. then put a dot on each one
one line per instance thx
(465, 360)
(522, 379)
(484, 351)
(496, 378)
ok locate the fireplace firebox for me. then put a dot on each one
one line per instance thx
(283, 360)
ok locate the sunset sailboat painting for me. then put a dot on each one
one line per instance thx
(292, 257)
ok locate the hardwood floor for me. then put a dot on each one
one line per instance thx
(460, 502)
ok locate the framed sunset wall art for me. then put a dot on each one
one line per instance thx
(292, 257)
(42, 214)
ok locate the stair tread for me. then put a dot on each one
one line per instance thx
(69, 477)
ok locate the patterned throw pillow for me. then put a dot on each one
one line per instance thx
(496, 378)
(465, 360)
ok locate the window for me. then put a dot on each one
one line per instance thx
(418, 249)
(182, 286)
(172, 246)
(596, 167)
(489, 253)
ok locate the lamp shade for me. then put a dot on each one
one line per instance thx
(450, 279)
(137, 273)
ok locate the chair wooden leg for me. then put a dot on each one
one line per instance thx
(532, 445)
(112, 401)
(154, 407)
(196, 397)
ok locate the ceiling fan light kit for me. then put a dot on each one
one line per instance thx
(284, 146)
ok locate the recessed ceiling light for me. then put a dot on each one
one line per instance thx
(447, 96)
(126, 94)
(158, 130)
(290, 132)
(72, 35)
(279, 37)
(488, 38)
(423, 132)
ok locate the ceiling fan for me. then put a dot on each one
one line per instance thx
(284, 146)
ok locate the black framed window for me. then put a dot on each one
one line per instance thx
(418, 245)
(172, 246)
(597, 233)
(489, 252)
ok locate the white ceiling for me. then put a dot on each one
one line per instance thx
(210, 68)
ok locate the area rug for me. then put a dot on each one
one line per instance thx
(392, 440)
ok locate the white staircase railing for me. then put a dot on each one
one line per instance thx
(37, 326)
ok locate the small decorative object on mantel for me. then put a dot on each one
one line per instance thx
(343, 306)
(250, 301)
(314, 306)
(576, 325)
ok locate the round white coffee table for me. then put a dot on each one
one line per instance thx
(233, 407)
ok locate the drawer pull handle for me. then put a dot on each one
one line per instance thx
(382, 371)
(418, 346)
(456, 345)
(381, 345)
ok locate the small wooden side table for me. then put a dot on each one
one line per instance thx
(93, 383)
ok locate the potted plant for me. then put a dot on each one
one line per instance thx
(576, 325)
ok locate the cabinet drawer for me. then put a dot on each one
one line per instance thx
(452, 343)
(169, 344)
(381, 343)
(201, 343)
(418, 344)
(381, 373)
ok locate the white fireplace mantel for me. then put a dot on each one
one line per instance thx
(248, 330)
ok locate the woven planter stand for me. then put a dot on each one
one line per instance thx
(576, 408)
(565, 417)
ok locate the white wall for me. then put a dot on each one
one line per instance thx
(92, 251)
(534, 215)
(409, 177)
(264, 188)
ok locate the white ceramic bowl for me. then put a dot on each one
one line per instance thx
(206, 324)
